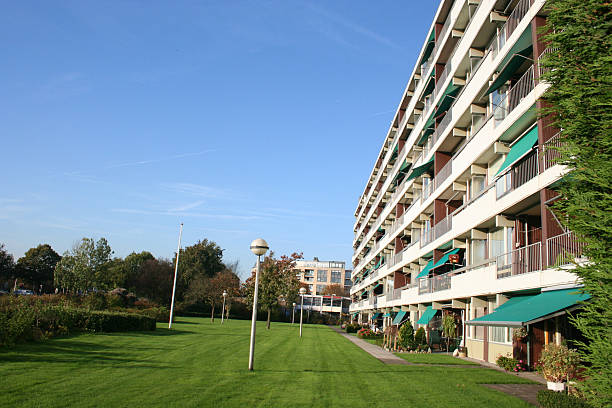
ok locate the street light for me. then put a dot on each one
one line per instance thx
(293, 315)
(302, 293)
(223, 309)
(258, 247)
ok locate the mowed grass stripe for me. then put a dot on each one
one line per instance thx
(201, 364)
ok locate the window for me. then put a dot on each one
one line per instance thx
(347, 274)
(320, 289)
(336, 277)
(503, 184)
(509, 239)
(498, 334)
(479, 250)
(497, 243)
(321, 276)
(309, 272)
(477, 186)
(479, 330)
(309, 288)
(347, 282)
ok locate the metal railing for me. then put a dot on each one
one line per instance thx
(444, 173)
(522, 260)
(519, 12)
(514, 96)
(550, 152)
(563, 249)
(428, 190)
(435, 283)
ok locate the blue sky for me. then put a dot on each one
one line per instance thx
(241, 119)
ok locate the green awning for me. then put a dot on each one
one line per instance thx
(380, 229)
(375, 316)
(431, 42)
(387, 315)
(444, 258)
(395, 151)
(522, 310)
(427, 315)
(418, 171)
(355, 314)
(430, 85)
(426, 269)
(428, 129)
(375, 286)
(399, 317)
(402, 171)
(524, 41)
(520, 148)
(448, 98)
(508, 70)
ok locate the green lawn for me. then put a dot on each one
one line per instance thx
(199, 364)
(433, 358)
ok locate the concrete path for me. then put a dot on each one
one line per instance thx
(526, 392)
(375, 351)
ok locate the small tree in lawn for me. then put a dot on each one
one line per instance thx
(277, 282)
(449, 328)
(210, 290)
(406, 336)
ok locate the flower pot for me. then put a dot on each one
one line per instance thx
(555, 386)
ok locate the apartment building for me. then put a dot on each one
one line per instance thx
(317, 275)
(454, 218)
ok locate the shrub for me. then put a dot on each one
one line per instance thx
(406, 336)
(420, 337)
(509, 363)
(366, 333)
(552, 399)
(352, 327)
(558, 363)
(22, 319)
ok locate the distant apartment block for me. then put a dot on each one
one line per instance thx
(317, 275)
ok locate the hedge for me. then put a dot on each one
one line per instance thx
(552, 399)
(21, 321)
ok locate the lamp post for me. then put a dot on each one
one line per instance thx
(223, 309)
(293, 314)
(258, 247)
(302, 293)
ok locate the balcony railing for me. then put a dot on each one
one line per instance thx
(563, 249)
(551, 154)
(435, 283)
(520, 261)
(514, 96)
(513, 21)
(517, 175)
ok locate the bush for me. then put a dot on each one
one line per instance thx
(406, 336)
(352, 327)
(558, 363)
(366, 333)
(509, 363)
(552, 399)
(420, 337)
(22, 319)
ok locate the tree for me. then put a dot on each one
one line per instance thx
(153, 279)
(406, 336)
(7, 265)
(202, 259)
(277, 282)
(37, 265)
(127, 272)
(579, 70)
(85, 266)
(210, 289)
(335, 289)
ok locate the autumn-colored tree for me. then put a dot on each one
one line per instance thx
(335, 289)
(277, 283)
(210, 289)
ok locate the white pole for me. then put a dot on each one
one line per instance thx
(301, 314)
(223, 310)
(293, 315)
(178, 252)
(254, 317)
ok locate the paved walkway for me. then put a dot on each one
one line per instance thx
(375, 351)
(526, 392)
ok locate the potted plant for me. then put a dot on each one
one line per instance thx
(520, 334)
(558, 364)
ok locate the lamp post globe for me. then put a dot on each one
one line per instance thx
(223, 308)
(259, 247)
(293, 314)
(302, 293)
